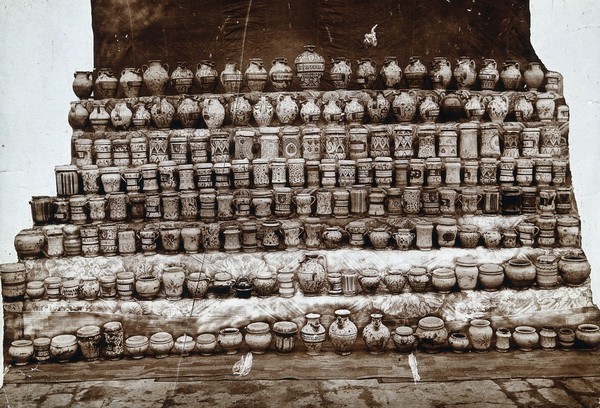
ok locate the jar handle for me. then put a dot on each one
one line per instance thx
(166, 67)
(144, 68)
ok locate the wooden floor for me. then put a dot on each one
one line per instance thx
(389, 367)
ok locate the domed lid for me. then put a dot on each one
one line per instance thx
(185, 339)
(13, 267)
(491, 268)
(197, 276)
(258, 327)
(222, 276)
(21, 343)
(468, 228)
(88, 331)
(107, 279)
(467, 260)
(443, 273)
(112, 327)
(567, 221)
(446, 221)
(285, 327)
(205, 338)
(404, 331)
(134, 341)
(264, 274)
(431, 323)
(125, 275)
(41, 341)
(161, 337)
(313, 316)
(52, 280)
(66, 167)
(63, 340)
(71, 283)
(417, 271)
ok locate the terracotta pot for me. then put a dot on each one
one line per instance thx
(574, 269)
(491, 276)
(343, 332)
(376, 335)
(588, 336)
(83, 85)
(458, 342)
(404, 339)
(230, 339)
(526, 338)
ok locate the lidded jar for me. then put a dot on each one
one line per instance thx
(310, 67)
(258, 337)
(432, 334)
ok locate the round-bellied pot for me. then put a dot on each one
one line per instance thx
(29, 243)
(173, 278)
(404, 339)
(63, 347)
(376, 335)
(147, 287)
(313, 334)
(432, 334)
(343, 332)
(466, 272)
(574, 269)
(161, 344)
(588, 336)
(206, 343)
(526, 338)
(418, 279)
(458, 342)
(394, 280)
(230, 339)
(264, 283)
(184, 345)
(35, 290)
(258, 337)
(21, 351)
(491, 276)
(443, 279)
(480, 334)
(136, 346)
(520, 273)
(197, 284)
(369, 280)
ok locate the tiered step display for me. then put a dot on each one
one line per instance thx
(443, 208)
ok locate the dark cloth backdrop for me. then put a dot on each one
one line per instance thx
(128, 33)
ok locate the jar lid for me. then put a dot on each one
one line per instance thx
(568, 221)
(313, 316)
(491, 268)
(136, 341)
(525, 329)
(125, 275)
(443, 273)
(205, 338)
(63, 340)
(431, 323)
(404, 331)
(468, 228)
(417, 271)
(258, 327)
(222, 276)
(41, 342)
(52, 280)
(71, 283)
(446, 221)
(185, 339)
(112, 327)
(83, 141)
(67, 167)
(88, 331)
(467, 260)
(285, 327)
(102, 142)
(107, 279)
(161, 337)
(109, 170)
(546, 259)
(13, 267)
(21, 343)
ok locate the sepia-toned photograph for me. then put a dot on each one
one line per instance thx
(303, 203)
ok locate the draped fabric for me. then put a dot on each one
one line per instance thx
(128, 33)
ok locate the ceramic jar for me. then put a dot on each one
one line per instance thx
(415, 72)
(258, 337)
(197, 284)
(443, 279)
(491, 276)
(520, 273)
(424, 235)
(379, 237)
(89, 288)
(366, 75)
(108, 286)
(88, 338)
(230, 339)
(418, 279)
(343, 332)
(63, 347)
(106, 84)
(206, 344)
(270, 234)
(265, 283)
(14, 278)
(280, 74)
(206, 76)
(534, 76)
(340, 73)
(440, 73)
(511, 75)
(121, 116)
(391, 73)
(394, 280)
(464, 73)
(404, 105)
(313, 334)
(458, 342)
(523, 108)
(156, 77)
(432, 334)
(312, 273)
(376, 335)
(480, 334)
(240, 111)
(41, 349)
(113, 340)
(231, 78)
(35, 290)
(162, 112)
(497, 108)
(447, 232)
(466, 272)
(545, 108)
(310, 67)
(469, 236)
(263, 111)
(286, 109)
(369, 280)
(83, 85)
(354, 112)
(548, 338)
(184, 345)
(404, 339)
(147, 287)
(161, 344)
(182, 79)
(130, 82)
(256, 75)
(566, 339)
(173, 278)
(378, 109)
(429, 110)
(188, 112)
(136, 346)
(488, 74)
(213, 112)
(574, 269)
(78, 116)
(526, 338)
(20, 352)
(285, 335)
(588, 336)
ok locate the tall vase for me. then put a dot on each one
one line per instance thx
(173, 278)
(156, 77)
(313, 334)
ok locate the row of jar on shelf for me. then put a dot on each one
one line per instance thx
(244, 176)
(468, 141)
(311, 276)
(403, 106)
(430, 335)
(108, 239)
(309, 71)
